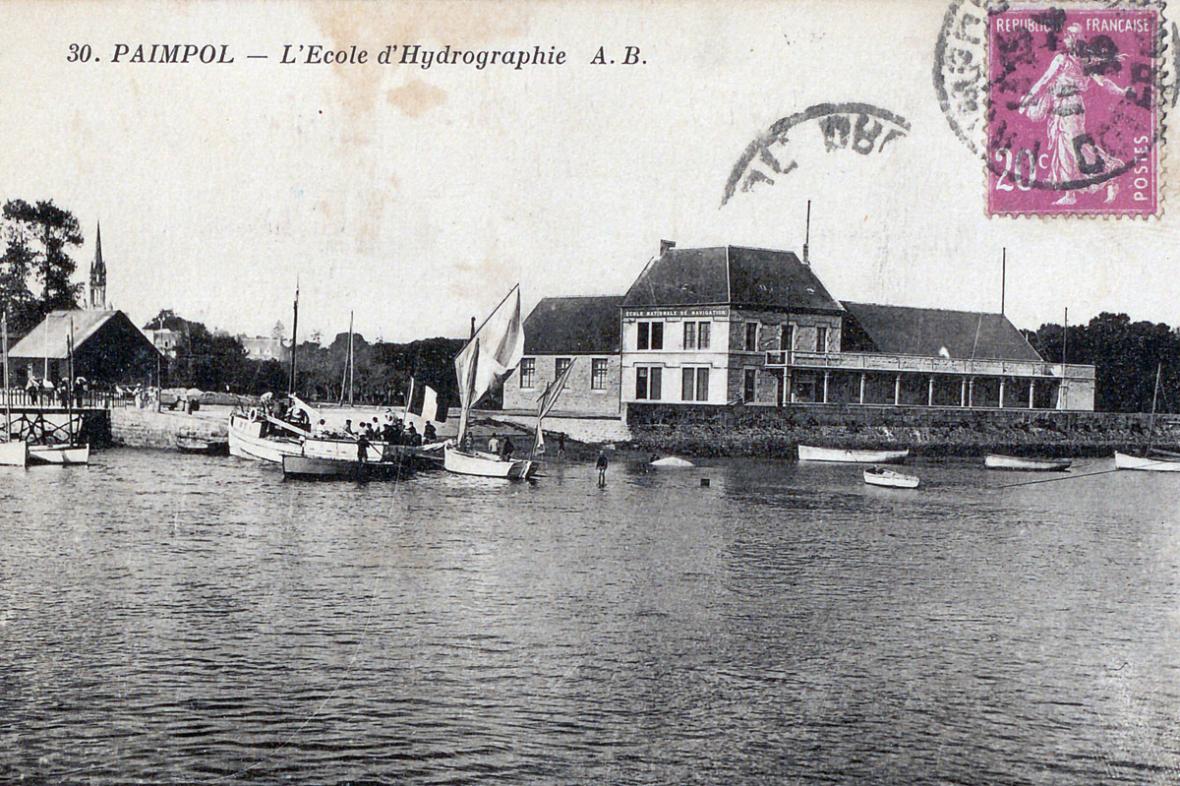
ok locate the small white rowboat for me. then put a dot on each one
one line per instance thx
(1146, 463)
(486, 465)
(999, 461)
(59, 454)
(811, 453)
(890, 479)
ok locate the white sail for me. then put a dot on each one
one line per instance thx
(491, 355)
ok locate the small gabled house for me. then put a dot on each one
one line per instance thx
(108, 347)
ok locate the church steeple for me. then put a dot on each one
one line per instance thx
(98, 275)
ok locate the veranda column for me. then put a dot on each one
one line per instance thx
(826, 375)
(862, 387)
(1001, 392)
(963, 392)
(930, 392)
(1032, 389)
(897, 390)
(971, 392)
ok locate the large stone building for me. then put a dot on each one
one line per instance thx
(730, 324)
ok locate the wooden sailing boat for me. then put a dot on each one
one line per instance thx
(1150, 461)
(71, 451)
(493, 351)
(13, 452)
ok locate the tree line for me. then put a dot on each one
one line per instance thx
(36, 270)
(1126, 355)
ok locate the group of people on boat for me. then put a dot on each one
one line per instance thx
(389, 430)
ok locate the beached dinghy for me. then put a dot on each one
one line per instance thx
(672, 462)
(847, 456)
(878, 476)
(1017, 463)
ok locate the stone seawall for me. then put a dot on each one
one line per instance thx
(146, 428)
(775, 432)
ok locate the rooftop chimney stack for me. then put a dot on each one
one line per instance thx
(666, 246)
(807, 236)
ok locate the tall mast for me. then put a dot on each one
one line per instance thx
(294, 337)
(351, 360)
(1154, 395)
(7, 389)
(69, 382)
(807, 235)
(1003, 279)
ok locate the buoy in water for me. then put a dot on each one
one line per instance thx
(671, 461)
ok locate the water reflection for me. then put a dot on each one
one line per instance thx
(180, 618)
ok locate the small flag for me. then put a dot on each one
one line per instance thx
(424, 403)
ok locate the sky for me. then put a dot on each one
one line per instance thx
(416, 198)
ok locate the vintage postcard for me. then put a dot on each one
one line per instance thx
(581, 392)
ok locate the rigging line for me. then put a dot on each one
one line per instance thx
(1064, 477)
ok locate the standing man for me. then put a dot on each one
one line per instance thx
(601, 465)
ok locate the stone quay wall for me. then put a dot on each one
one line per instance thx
(776, 432)
(145, 428)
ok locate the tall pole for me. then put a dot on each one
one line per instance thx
(69, 383)
(294, 338)
(1003, 279)
(807, 235)
(1064, 350)
(1151, 422)
(7, 389)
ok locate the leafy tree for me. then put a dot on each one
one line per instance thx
(16, 299)
(55, 229)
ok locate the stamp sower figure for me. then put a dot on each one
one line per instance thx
(601, 465)
(1058, 95)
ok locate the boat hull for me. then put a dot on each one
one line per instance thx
(59, 454)
(998, 461)
(14, 453)
(486, 465)
(246, 441)
(314, 468)
(843, 456)
(1145, 463)
(893, 480)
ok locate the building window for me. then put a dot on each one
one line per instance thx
(821, 339)
(559, 366)
(749, 384)
(703, 335)
(598, 374)
(694, 385)
(751, 336)
(786, 341)
(651, 335)
(690, 335)
(528, 372)
(648, 381)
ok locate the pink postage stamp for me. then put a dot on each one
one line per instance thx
(1074, 121)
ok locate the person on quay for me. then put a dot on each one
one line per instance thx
(429, 434)
(362, 448)
(349, 431)
(413, 439)
(507, 449)
(494, 445)
(601, 465)
(32, 388)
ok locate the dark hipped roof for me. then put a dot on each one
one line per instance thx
(926, 331)
(734, 275)
(573, 325)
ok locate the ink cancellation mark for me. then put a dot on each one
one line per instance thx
(862, 128)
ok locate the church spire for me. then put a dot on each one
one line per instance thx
(98, 275)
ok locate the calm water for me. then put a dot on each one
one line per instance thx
(169, 618)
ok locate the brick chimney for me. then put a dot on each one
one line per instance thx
(666, 246)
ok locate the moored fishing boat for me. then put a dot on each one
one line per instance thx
(1151, 460)
(1021, 464)
(205, 446)
(887, 478)
(852, 456)
(255, 437)
(491, 354)
(313, 468)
